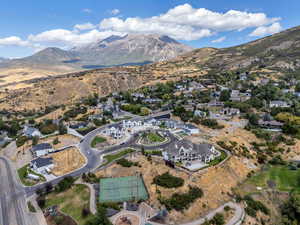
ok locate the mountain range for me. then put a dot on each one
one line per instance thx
(131, 49)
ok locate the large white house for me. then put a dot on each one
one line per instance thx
(42, 165)
(184, 150)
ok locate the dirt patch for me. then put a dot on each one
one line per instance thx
(215, 182)
(66, 161)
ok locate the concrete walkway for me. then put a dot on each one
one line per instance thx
(93, 206)
(237, 218)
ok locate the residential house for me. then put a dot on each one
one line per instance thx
(188, 107)
(132, 123)
(297, 94)
(42, 165)
(279, 104)
(78, 125)
(272, 124)
(30, 132)
(191, 129)
(215, 103)
(116, 131)
(243, 76)
(230, 111)
(184, 150)
(152, 100)
(199, 113)
(41, 149)
(235, 96)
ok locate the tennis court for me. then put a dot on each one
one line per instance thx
(122, 189)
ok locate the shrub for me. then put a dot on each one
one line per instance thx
(126, 163)
(181, 201)
(211, 123)
(167, 180)
(85, 212)
(21, 141)
(65, 184)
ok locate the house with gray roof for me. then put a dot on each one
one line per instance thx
(41, 149)
(30, 132)
(183, 150)
(42, 165)
(279, 104)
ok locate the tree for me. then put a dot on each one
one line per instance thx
(225, 95)
(85, 212)
(55, 141)
(41, 201)
(62, 129)
(49, 188)
(297, 88)
(35, 140)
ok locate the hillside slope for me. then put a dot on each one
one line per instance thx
(277, 54)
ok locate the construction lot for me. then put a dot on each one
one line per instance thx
(67, 161)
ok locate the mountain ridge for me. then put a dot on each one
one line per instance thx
(111, 51)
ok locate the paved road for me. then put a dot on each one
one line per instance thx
(235, 220)
(12, 198)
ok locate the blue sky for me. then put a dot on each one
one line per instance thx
(31, 25)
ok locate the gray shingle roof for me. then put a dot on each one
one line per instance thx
(41, 146)
(41, 162)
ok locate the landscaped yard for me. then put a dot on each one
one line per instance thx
(279, 177)
(97, 140)
(118, 155)
(218, 159)
(154, 137)
(24, 171)
(71, 202)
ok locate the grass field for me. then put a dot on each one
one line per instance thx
(23, 172)
(283, 178)
(118, 155)
(155, 138)
(97, 140)
(71, 201)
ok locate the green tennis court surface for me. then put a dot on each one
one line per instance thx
(122, 189)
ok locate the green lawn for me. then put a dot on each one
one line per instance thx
(71, 201)
(97, 140)
(284, 178)
(118, 155)
(23, 172)
(155, 138)
(218, 159)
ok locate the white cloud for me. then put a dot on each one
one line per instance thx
(84, 26)
(182, 23)
(187, 23)
(87, 10)
(67, 38)
(266, 30)
(115, 11)
(219, 40)
(13, 41)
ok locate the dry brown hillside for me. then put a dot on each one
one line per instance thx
(276, 54)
